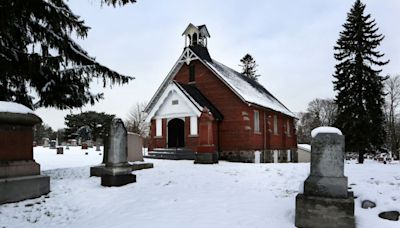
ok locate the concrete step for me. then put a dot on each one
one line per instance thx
(173, 154)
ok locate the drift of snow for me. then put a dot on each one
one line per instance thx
(12, 107)
(318, 130)
(304, 146)
(181, 194)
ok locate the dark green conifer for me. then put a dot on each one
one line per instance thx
(37, 54)
(359, 85)
(249, 66)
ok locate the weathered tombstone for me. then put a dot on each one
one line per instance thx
(117, 171)
(46, 142)
(135, 147)
(60, 150)
(20, 177)
(74, 142)
(326, 201)
(84, 146)
(53, 144)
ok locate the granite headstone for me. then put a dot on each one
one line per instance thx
(326, 201)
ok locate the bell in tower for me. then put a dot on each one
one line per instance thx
(196, 35)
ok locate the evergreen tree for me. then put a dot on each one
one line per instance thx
(37, 54)
(97, 123)
(249, 67)
(359, 86)
(41, 131)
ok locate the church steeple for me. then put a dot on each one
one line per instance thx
(196, 35)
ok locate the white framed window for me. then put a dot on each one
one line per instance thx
(193, 125)
(175, 102)
(256, 121)
(275, 124)
(158, 127)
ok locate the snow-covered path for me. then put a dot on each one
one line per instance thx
(181, 194)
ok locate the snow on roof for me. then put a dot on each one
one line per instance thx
(12, 107)
(318, 130)
(250, 90)
(304, 146)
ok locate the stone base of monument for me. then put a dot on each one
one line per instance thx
(15, 189)
(335, 187)
(206, 155)
(98, 171)
(117, 176)
(21, 180)
(117, 180)
(323, 212)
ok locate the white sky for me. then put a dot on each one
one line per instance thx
(292, 42)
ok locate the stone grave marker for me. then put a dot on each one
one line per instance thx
(60, 150)
(46, 142)
(117, 171)
(53, 144)
(326, 201)
(20, 177)
(135, 147)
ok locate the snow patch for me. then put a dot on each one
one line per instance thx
(247, 91)
(318, 130)
(304, 146)
(12, 107)
(174, 193)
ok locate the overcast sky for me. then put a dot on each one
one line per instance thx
(292, 42)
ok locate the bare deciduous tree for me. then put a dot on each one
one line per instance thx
(325, 109)
(320, 112)
(136, 120)
(392, 90)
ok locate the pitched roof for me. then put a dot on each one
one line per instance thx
(248, 90)
(195, 93)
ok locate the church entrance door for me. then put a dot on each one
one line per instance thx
(176, 133)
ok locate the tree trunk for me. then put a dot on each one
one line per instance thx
(361, 157)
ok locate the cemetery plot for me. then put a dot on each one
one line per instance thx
(181, 194)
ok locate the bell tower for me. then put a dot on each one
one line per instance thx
(196, 35)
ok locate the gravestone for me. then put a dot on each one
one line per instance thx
(60, 150)
(84, 146)
(326, 201)
(53, 144)
(20, 177)
(117, 171)
(74, 142)
(135, 147)
(46, 142)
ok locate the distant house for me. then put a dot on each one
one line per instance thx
(206, 107)
(304, 153)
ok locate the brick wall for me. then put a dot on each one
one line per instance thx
(236, 131)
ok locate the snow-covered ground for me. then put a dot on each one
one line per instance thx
(181, 194)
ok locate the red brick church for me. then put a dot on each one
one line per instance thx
(207, 111)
